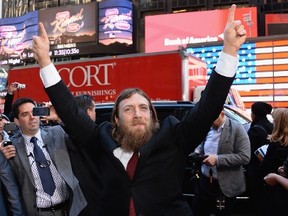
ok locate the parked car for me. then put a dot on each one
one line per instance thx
(179, 109)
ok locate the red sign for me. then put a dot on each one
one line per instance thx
(276, 24)
(169, 31)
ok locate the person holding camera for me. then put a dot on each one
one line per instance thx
(11, 89)
(42, 166)
(7, 115)
(224, 151)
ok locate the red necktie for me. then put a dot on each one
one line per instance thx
(131, 167)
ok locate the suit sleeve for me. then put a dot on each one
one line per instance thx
(9, 182)
(196, 124)
(78, 123)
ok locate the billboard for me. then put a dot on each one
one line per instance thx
(68, 26)
(276, 24)
(169, 31)
(72, 31)
(262, 71)
(115, 22)
(16, 38)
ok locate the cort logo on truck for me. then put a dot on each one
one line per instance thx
(88, 75)
(163, 76)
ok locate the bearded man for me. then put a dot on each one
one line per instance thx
(142, 161)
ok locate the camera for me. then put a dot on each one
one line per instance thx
(41, 111)
(21, 86)
(198, 158)
(6, 143)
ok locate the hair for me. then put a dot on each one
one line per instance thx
(127, 93)
(19, 102)
(261, 109)
(280, 130)
(275, 112)
(84, 101)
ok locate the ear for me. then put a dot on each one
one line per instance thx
(17, 122)
(88, 111)
(116, 120)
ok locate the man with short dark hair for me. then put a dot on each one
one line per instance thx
(56, 191)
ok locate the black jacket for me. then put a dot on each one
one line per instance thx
(85, 168)
(257, 133)
(157, 184)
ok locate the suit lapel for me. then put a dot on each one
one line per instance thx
(22, 153)
(225, 135)
(59, 156)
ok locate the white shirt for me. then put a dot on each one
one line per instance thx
(43, 199)
(211, 145)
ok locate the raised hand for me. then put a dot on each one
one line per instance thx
(40, 47)
(234, 34)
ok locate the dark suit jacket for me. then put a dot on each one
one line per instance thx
(11, 188)
(54, 137)
(85, 168)
(157, 184)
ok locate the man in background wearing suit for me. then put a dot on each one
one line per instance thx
(65, 197)
(225, 150)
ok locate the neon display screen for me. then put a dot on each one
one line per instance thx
(16, 38)
(68, 26)
(116, 22)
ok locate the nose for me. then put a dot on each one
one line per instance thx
(137, 113)
(31, 115)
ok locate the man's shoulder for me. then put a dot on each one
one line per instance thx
(236, 126)
(16, 136)
(53, 129)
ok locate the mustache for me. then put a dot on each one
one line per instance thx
(138, 121)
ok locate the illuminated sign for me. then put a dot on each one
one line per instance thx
(68, 27)
(115, 22)
(169, 31)
(262, 71)
(276, 24)
(16, 38)
(72, 31)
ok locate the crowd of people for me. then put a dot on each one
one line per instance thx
(134, 165)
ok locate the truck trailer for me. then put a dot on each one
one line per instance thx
(171, 75)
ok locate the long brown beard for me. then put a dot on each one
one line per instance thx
(131, 140)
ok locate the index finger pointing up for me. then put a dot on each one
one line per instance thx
(231, 14)
(42, 33)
